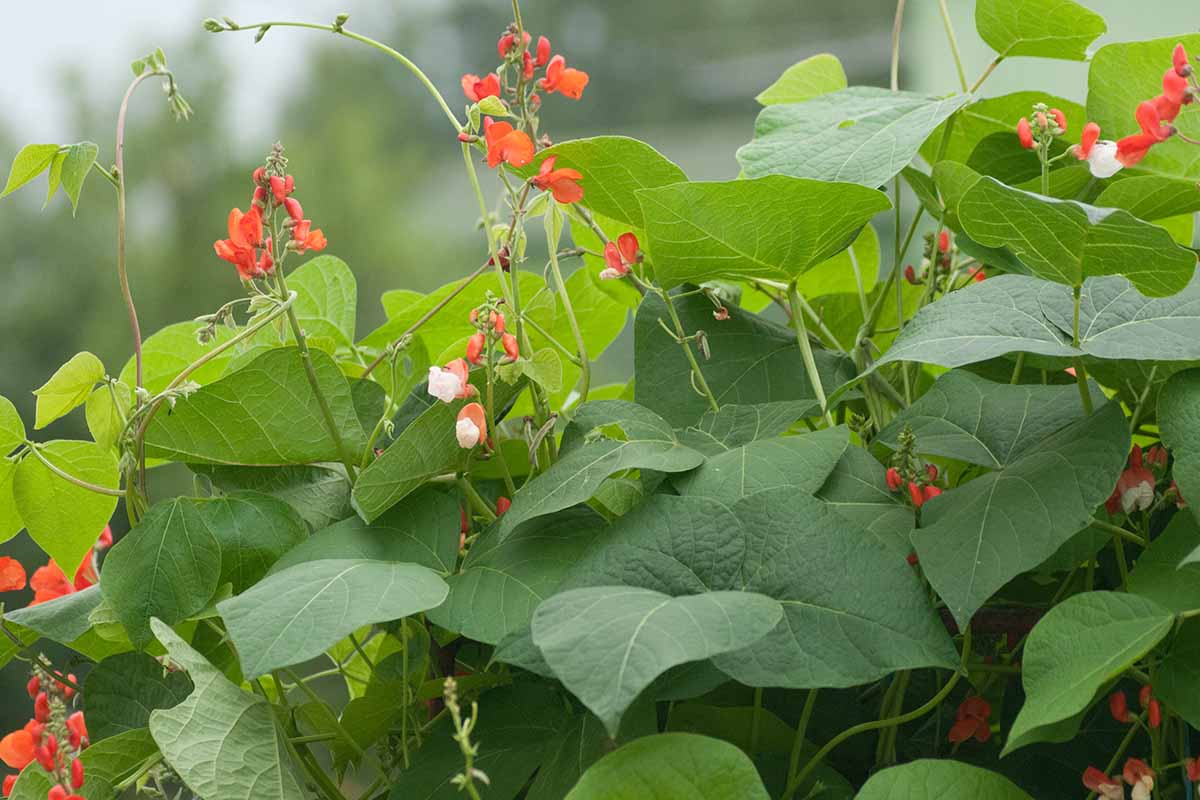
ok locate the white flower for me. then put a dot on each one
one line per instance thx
(1102, 159)
(1142, 789)
(609, 274)
(444, 384)
(467, 432)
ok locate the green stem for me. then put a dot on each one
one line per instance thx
(962, 76)
(990, 67)
(874, 724)
(1016, 373)
(69, 478)
(810, 702)
(476, 500)
(756, 720)
(858, 282)
(683, 340)
(490, 410)
(1119, 532)
(108, 176)
(897, 26)
(1121, 748)
(898, 257)
(1085, 396)
(585, 369)
(806, 352)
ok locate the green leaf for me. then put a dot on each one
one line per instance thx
(1014, 313)
(198, 736)
(425, 449)
(749, 354)
(734, 426)
(236, 419)
(173, 348)
(993, 115)
(608, 643)
(672, 766)
(12, 429)
(857, 490)
(1123, 74)
(700, 231)
(1177, 675)
(67, 388)
(420, 529)
(65, 519)
(63, 619)
(320, 493)
(168, 566)
(29, 163)
(122, 690)
(614, 168)
(116, 758)
(501, 583)
(545, 368)
(297, 613)
(1067, 242)
(804, 80)
(580, 470)
(1166, 573)
(1075, 649)
(975, 538)
(800, 462)
(862, 135)
(54, 176)
(75, 169)
(969, 418)
(1151, 197)
(934, 779)
(1179, 422)
(105, 420)
(1044, 28)
(583, 743)
(10, 519)
(327, 298)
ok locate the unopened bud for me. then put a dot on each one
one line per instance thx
(258, 37)
(213, 26)
(339, 21)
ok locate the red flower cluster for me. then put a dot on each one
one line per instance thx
(621, 256)
(38, 742)
(1136, 772)
(1135, 489)
(245, 247)
(562, 183)
(920, 488)
(50, 582)
(1154, 118)
(971, 721)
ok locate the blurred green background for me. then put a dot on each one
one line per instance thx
(375, 164)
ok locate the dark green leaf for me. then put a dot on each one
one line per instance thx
(319, 493)
(122, 690)
(929, 779)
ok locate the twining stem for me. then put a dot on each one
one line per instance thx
(80, 482)
(585, 371)
(871, 725)
(685, 343)
(810, 703)
(897, 25)
(122, 272)
(490, 410)
(990, 67)
(858, 282)
(310, 370)
(1080, 372)
(962, 76)
(897, 258)
(806, 352)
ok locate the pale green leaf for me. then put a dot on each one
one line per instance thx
(31, 161)
(172, 349)
(75, 169)
(804, 80)
(67, 388)
(1044, 28)
(12, 429)
(327, 297)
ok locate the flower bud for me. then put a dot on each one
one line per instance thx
(51, 745)
(294, 209)
(475, 348)
(41, 707)
(894, 481)
(43, 757)
(509, 343)
(543, 51)
(258, 175)
(503, 503)
(915, 493)
(1118, 706)
(910, 275)
(212, 26)
(932, 471)
(77, 774)
(1154, 714)
(56, 792)
(1060, 119)
(944, 241)
(1025, 134)
(9, 782)
(1179, 59)
(497, 322)
(527, 66)
(33, 687)
(930, 492)
(912, 559)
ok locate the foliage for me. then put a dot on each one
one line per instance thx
(828, 509)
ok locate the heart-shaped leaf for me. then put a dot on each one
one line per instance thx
(934, 779)
(1043, 28)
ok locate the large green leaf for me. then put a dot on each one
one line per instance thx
(582, 743)
(753, 361)
(799, 462)
(993, 115)
(320, 493)
(1044, 28)
(853, 611)
(734, 426)
(122, 690)
(327, 298)
(1179, 422)
(1014, 313)
(1163, 572)
(425, 449)
(10, 519)
(1124, 74)
(672, 766)
(107, 764)
(501, 583)
(1178, 674)
(857, 490)
(67, 388)
(237, 419)
(576, 476)
(12, 429)
(63, 619)
(1152, 197)
(62, 517)
(421, 529)
(701, 231)
(804, 80)
(614, 168)
(172, 349)
(297, 613)
(608, 643)
(975, 538)
(863, 135)
(935, 779)
(1079, 646)
(972, 419)
(221, 741)
(1067, 242)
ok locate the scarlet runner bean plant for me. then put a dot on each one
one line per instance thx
(918, 534)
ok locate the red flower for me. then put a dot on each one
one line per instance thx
(971, 721)
(476, 88)
(511, 350)
(944, 241)
(910, 275)
(506, 144)
(471, 426)
(1059, 118)
(282, 187)
(304, 238)
(12, 575)
(1118, 706)
(506, 42)
(1179, 58)
(77, 727)
(1025, 134)
(503, 503)
(1192, 765)
(932, 471)
(1137, 773)
(914, 492)
(77, 774)
(106, 539)
(16, 749)
(527, 67)
(56, 792)
(620, 256)
(475, 348)
(1132, 149)
(33, 687)
(562, 183)
(563, 79)
(245, 235)
(1107, 787)
(930, 492)
(49, 583)
(1154, 714)
(543, 51)
(1134, 490)
(9, 782)
(1151, 122)
(894, 481)
(41, 707)
(1156, 457)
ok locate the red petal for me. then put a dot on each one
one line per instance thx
(12, 575)
(628, 244)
